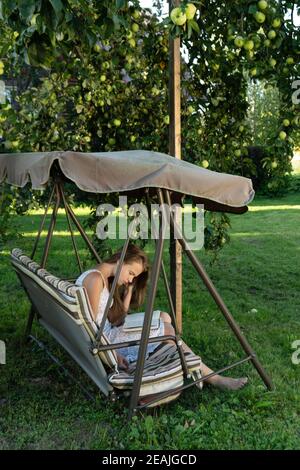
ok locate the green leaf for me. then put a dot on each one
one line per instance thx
(252, 9)
(264, 404)
(26, 8)
(116, 21)
(57, 5)
(120, 3)
(194, 25)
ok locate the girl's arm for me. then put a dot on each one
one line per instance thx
(127, 298)
(94, 286)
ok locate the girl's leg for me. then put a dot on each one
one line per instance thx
(225, 383)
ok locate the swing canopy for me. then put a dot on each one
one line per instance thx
(63, 308)
(125, 171)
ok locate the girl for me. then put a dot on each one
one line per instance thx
(130, 292)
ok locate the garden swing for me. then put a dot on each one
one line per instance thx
(63, 308)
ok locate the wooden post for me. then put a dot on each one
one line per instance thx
(175, 151)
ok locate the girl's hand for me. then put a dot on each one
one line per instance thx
(122, 362)
(130, 287)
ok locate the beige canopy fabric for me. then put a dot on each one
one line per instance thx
(108, 172)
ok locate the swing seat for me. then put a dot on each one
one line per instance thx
(63, 309)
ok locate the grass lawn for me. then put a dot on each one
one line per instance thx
(41, 409)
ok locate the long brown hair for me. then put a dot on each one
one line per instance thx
(116, 314)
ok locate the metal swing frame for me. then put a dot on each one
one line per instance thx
(164, 197)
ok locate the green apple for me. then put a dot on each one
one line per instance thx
(272, 34)
(267, 42)
(135, 27)
(249, 45)
(253, 72)
(274, 164)
(136, 14)
(237, 153)
(132, 42)
(260, 17)
(129, 58)
(178, 17)
(102, 78)
(241, 128)
(111, 141)
(205, 163)
(190, 11)
(290, 60)
(282, 135)
(79, 108)
(286, 122)
(262, 5)
(276, 23)
(117, 122)
(132, 138)
(272, 62)
(191, 109)
(1, 64)
(129, 34)
(239, 41)
(167, 120)
(97, 48)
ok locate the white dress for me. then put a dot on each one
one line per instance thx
(116, 334)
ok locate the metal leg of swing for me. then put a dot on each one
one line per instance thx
(173, 314)
(42, 224)
(219, 301)
(83, 234)
(51, 228)
(70, 227)
(29, 324)
(135, 393)
(31, 314)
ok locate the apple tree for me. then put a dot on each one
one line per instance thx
(97, 79)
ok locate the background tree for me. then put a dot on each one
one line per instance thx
(94, 77)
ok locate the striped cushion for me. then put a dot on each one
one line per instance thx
(162, 372)
(65, 287)
(80, 309)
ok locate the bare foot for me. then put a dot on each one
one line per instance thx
(227, 383)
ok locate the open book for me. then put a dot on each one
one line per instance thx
(134, 321)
